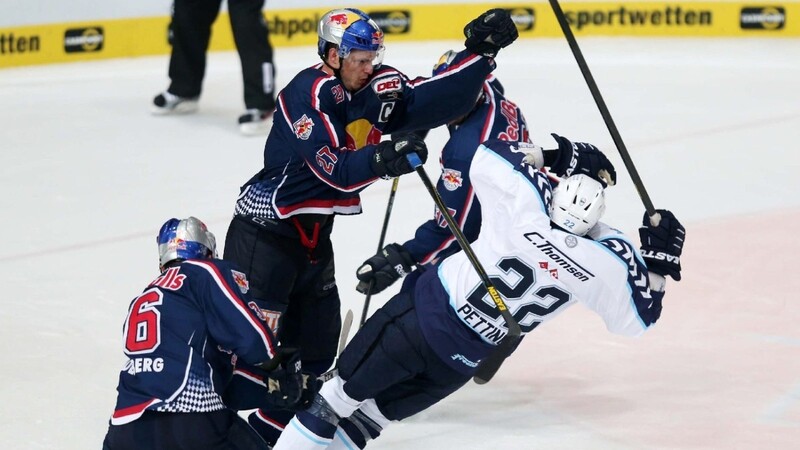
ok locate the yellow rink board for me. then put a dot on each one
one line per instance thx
(100, 39)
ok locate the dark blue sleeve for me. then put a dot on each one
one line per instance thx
(232, 318)
(433, 240)
(314, 110)
(432, 102)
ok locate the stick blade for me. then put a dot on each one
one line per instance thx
(489, 366)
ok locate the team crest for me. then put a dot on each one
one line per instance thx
(452, 179)
(241, 280)
(302, 128)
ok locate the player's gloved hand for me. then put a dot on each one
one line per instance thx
(662, 244)
(490, 32)
(311, 385)
(390, 156)
(285, 381)
(580, 157)
(383, 269)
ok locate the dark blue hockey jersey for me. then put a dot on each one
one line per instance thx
(316, 158)
(173, 335)
(495, 117)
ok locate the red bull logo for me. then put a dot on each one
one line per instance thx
(377, 38)
(302, 128)
(241, 280)
(339, 19)
(452, 179)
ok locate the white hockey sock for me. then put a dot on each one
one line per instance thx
(297, 437)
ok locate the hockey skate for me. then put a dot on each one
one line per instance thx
(166, 103)
(255, 122)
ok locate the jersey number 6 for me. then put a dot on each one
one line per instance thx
(143, 324)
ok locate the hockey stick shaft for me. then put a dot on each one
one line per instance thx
(389, 206)
(343, 335)
(489, 366)
(601, 105)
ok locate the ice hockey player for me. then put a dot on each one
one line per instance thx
(544, 251)
(494, 116)
(178, 335)
(324, 148)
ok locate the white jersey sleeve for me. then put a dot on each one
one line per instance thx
(538, 270)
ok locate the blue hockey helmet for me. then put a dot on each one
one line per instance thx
(349, 29)
(184, 239)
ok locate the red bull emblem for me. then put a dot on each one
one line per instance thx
(302, 128)
(377, 38)
(340, 19)
(177, 243)
(452, 179)
(241, 280)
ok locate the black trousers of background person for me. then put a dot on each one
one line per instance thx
(190, 33)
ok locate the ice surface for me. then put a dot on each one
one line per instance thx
(712, 126)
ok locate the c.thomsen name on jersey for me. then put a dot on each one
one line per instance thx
(557, 257)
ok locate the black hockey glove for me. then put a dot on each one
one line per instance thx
(662, 244)
(390, 156)
(383, 269)
(580, 157)
(490, 32)
(285, 382)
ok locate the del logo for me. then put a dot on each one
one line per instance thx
(452, 179)
(763, 18)
(302, 128)
(385, 85)
(83, 40)
(241, 280)
(440, 220)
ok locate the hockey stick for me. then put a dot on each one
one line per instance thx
(601, 105)
(346, 324)
(489, 365)
(389, 206)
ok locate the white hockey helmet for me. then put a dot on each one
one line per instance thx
(184, 239)
(578, 203)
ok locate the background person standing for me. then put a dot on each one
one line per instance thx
(189, 35)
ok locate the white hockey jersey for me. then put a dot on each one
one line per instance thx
(539, 271)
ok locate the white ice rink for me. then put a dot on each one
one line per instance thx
(88, 175)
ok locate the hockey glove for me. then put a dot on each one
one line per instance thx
(490, 32)
(580, 157)
(390, 156)
(662, 244)
(285, 383)
(383, 269)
